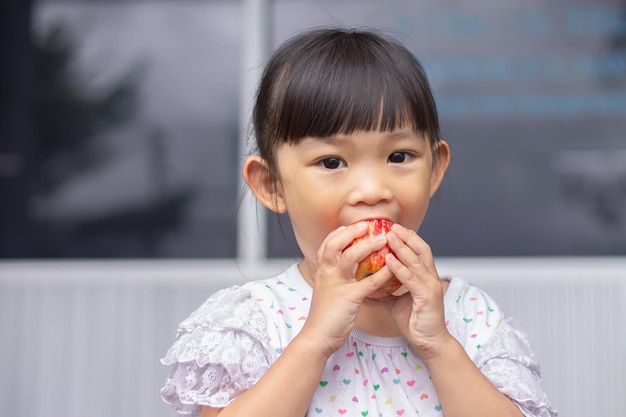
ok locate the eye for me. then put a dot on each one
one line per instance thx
(398, 157)
(332, 163)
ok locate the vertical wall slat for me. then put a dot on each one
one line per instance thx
(78, 366)
(8, 345)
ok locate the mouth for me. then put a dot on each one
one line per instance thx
(371, 218)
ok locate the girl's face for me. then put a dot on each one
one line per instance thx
(324, 183)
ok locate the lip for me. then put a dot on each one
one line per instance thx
(374, 218)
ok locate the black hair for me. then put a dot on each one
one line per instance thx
(336, 81)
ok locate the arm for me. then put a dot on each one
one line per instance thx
(461, 387)
(268, 397)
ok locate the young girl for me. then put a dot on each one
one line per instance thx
(347, 130)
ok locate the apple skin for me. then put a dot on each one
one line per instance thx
(376, 260)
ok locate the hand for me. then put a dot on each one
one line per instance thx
(337, 295)
(419, 313)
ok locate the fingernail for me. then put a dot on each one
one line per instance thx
(398, 227)
(380, 238)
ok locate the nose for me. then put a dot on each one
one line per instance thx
(369, 186)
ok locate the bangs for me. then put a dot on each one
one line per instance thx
(350, 82)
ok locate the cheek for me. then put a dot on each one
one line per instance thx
(309, 239)
(312, 221)
(414, 210)
(306, 222)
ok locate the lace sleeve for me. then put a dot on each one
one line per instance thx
(508, 362)
(220, 351)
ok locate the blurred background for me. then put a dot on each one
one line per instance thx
(123, 125)
(120, 123)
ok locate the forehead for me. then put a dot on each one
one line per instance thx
(396, 134)
(357, 137)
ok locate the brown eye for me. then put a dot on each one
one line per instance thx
(332, 163)
(398, 157)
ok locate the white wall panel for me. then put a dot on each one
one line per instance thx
(85, 338)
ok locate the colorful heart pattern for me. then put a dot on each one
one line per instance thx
(377, 377)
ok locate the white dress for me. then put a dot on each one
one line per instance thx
(225, 346)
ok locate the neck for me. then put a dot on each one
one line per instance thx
(374, 319)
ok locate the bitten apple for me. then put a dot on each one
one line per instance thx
(376, 260)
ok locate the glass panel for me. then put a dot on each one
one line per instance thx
(532, 99)
(134, 146)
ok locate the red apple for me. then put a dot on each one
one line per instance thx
(376, 260)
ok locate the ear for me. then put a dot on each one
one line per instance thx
(441, 160)
(266, 189)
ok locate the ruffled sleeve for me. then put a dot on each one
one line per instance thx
(220, 351)
(508, 362)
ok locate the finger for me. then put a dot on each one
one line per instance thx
(414, 241)
(337, 249)
(413, 277)
(412, 245)
(340, 238)
(332, 247)
(410, 261)
(372, 283)
(360, 250)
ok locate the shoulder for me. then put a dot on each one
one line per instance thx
(253, 308)
(235, 306)
(287, 293)
(464, 300)
(287, 284)
(285, 303)
(471, 314)
(509, 362)
(497, 345)
(221, 349)
(228, 309)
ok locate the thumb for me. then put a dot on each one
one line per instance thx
(372, 283)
